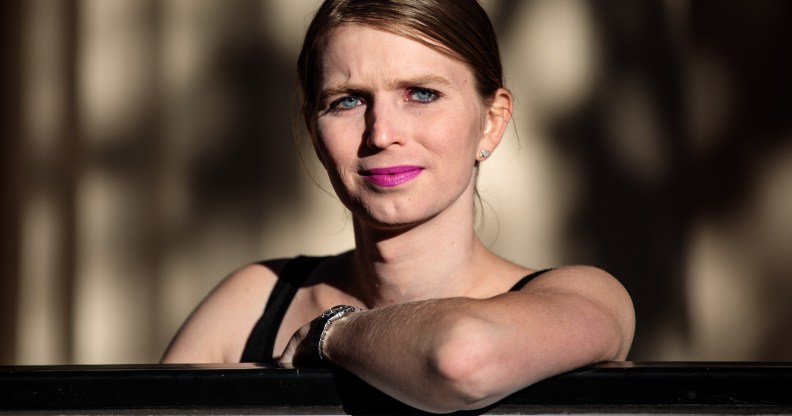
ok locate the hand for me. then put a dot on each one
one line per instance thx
(302, 348)
(299, 352)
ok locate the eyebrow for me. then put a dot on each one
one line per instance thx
(417, 81)
(422, 80)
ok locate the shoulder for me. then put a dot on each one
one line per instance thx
(250, 281)
(576, 278)
(585, 281)
(247, 287)
(592, 286)
(217, 329)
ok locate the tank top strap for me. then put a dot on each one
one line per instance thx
(261, 343)
(520, 284)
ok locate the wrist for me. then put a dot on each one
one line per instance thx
(323, 326)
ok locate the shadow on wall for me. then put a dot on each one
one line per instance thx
(630, 139)
(673, 141)
(689, 110)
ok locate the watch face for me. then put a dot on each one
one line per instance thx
(338, 310)
(332, 311)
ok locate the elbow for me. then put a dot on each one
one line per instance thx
(609, 315)
(463, 366)
(622, 317)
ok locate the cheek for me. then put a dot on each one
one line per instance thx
(337, 148)
(333, 139)
(458, 136)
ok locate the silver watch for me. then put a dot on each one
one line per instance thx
(320, 325)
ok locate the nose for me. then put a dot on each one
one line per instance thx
(382, 126)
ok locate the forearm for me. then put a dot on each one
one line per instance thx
(452, 354)
(460, 353)
(402, 350)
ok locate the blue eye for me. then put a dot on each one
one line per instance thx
(422, 95)
(346, 103)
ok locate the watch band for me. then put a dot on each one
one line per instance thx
(320, 325)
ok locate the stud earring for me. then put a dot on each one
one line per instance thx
(484, 153)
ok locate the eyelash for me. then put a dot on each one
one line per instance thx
(335, 106)
(411, 91)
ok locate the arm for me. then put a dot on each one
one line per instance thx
(217, 330)
(449, 354)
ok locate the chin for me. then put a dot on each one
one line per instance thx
(390, 221)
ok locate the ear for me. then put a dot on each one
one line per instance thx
(496, 120)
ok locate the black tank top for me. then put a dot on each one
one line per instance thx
(261, 342)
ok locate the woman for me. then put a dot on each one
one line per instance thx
(404, 99)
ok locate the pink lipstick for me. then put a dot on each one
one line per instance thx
(392, 175)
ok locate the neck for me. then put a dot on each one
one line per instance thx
(433, 259)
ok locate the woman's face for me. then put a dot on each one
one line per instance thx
(398, 126)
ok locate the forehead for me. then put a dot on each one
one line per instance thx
(360, 53)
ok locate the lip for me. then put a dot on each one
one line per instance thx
(391, 176)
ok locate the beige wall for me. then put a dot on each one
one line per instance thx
(156, 156)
